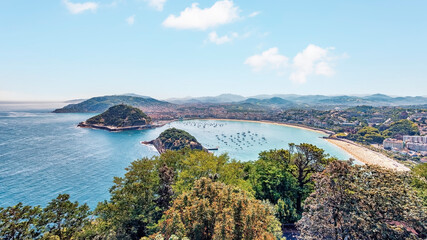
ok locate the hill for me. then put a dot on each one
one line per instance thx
(100, 104)
(119, 117)
(175, 139)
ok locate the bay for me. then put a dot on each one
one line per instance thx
(44, 154)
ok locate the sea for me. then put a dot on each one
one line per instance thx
(43, 154)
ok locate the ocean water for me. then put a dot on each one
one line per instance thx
(44, 154)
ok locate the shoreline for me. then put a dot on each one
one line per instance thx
(358, 152)
(367, 156)
(120, 129)
(318, 130)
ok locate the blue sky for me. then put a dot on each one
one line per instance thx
(67, 49)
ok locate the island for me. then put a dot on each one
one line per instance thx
(120, 117)
(175, 139)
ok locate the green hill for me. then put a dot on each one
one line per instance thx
(175, 139)
(100, 104)
(119, 116)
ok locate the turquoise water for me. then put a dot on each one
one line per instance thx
(44, 154)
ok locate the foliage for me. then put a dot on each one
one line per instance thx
(195, 164)
(306, 159)
(64, 219)
(362, 202)
(121, 116)
(131, 210)
(176, 139)
(419, 181)
(400, 128)
(60, 219)
(139, 199)
(367, 135)
(20, 222)
(271, 179)
(213, 210)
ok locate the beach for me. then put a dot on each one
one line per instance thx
(358, 152)
(318, 130)
(368, 156)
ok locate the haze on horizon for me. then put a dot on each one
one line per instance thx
(71, 49)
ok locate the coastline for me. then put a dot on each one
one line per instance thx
(355, 150)
(119, 129)
(318, 130)
(367, 156)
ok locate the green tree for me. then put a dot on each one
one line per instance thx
(190, 165)
(271, 179)
(400, 128)
(20, 222)
(213, 210)
(419, 181)
(306, 159)
(362, 202)
(131, 212)
(64, 219)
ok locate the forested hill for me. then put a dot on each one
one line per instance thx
(100, 104)
(175, 139)
(120, 116)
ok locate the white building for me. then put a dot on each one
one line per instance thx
(390, 143)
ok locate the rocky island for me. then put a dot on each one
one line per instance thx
(175, 139)
(120, 117)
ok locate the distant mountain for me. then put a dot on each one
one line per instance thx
(347, 101)
(223, 98)
(100, 104)
(271, 102)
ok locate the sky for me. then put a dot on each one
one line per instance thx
(71, 49)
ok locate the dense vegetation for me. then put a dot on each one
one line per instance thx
(100, 104)
(176, 139)
(120, 116)
(363, 202)
(378, 134)
(191, 194)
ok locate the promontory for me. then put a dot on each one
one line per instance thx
(118, 118)
(175, 139)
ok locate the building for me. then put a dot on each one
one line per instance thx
(415, 143)
(390, 143)
(415, 139)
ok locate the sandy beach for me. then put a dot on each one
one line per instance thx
(368, 156)
(274, 123)
(358, 152)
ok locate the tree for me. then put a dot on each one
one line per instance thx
(190, 165)
(20, 222)
(213, 210)
(419, 181)
(271, 179)
(400, 128)
(306, 159)
(165, 191)
(362, 202)
(131, 212)
(63, 218)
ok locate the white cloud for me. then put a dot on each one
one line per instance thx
(267, 59)
(131, 20)
(214, 38)
(254, 14)
(156, 4)
(222, 12)
(313, 60)
(76, 8)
